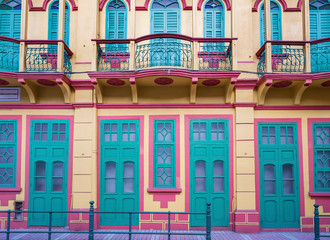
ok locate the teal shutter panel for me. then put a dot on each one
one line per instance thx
(66, 26)
(324, 24)
(111, 25)
(121, 25)
(213, 26)
(158, 22)
(10, 23)
(116, 25)
(172, 22)
(5, 26)
(275, 26)
(53, 25)
(208, 24)
(218, 25)
(262, 28)
(313, 25)
(16, 25)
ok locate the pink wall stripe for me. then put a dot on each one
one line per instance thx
(300, 156)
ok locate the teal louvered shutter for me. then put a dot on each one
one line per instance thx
(5, 26)
(67, 26)
(208, 29)
(218, 25)
(313, 25)
(53, 25)
(172, 22)
(16, 33)
(111, 25)
(158, 22)
(324, 24)
(262, 28)
(276, 26)
(121, 31)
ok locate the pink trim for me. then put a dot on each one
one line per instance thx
(244, 104)
(280, 229)
(146, 6)
(83, 105)
(44, 75)
(27, 155)
(300, 160)
(36, 106)
(227, 3)
(187, 156)
(319, 194)
(164, 197)
(290, 107)
(46, 2)
(245, 61)
(103, 3)
(284, 6)
(164, 190)
(83, 63)
(10, 193)
(151, 106)
(141, 184)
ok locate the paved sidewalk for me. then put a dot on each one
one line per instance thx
(216, 235)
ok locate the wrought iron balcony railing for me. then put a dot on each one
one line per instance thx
(164, 50)
(320, 55)
(42, 56)
(286, 57)
(9, 54)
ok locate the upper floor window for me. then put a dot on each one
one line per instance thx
(214, 19)
(116, 20)
(10, 18)
(53, 22)
(275, 22)
(165, 16)
(319, 19)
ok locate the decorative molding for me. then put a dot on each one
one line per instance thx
(246, 83)
(145, 7)
(46, 2)
(227, 3)
(103, 3)
(284, 6)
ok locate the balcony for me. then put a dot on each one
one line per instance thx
(39, 56)
(164, 50)
(291, 57)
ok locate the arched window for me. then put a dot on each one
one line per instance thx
(275, 22)
(214, 19)
(165, 16)
(53, 22)
(319, 19)
(116, 20)
(10, 18)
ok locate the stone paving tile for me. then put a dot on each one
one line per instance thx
(216, 235)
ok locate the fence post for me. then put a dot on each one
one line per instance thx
(50, 226)
(91, 221)
(8, 224)
(130, 226)
(169, 226)
(208, 221)
(316, 222)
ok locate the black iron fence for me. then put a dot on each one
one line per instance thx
(317, 216)
(92, 213)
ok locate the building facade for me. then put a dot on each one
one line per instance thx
(166, 105)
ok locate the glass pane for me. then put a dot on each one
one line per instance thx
(160, 181)
(9, 180)
(287, 172)
(106, 127)
(218, 184)
(40, 184)
(58, 169)
(128, 185)
(37, 136)
(128, 169)
(167, 155)
(168, 127)
(195, 136)
(62, 127)
(132, 127)
(196, 127)
(114, 137)
(287, 187)
(269, 172)
(283, 130)
(125, 136)
(271, 140)
(10, 137)
(57, 184)
(168, 136)
(290, 139)
(37, 127)
(110, 185)
(114, 128)
(11, 127)
(214, 136)
(318, 130)
(290, 130)
(107, 137)
(283, 140)
(125, 127)
(203, 126)
(319, 141)
(40, 169)
(221, 126)
(264, 140)
(214, 127)
(44, 127)
(269, 187)
(54, 137)
(200, 184)
(264, 130)
(272, 130)
(55, 127)
(110, 170)
(160, 155)
(159, 126)
(200, 169)
(168, 171)
(168, 181)
(132, 136)
(327, 130)
(218, 169)
(44, 136)
(327, 156)
(221, 136)
(203, 136)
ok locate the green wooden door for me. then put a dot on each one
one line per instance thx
(49, 153)
(209, 170)
(279, 176)
(119, 171)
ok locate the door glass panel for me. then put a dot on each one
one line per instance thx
(218, 169)
(287, 187)
(269, 187)
(40, 174)
(57, 177)
(269, 172)
(128, 177)
(287, 179)
(40, 169)
(200, 176)
(269, 176)
(40, 184)
(287, 171)
(128, 169)
(200, 184)
(57, 184)
(218, 176)
(110, 175)
(129, 185)
(200, 169)
(218, 184)
(58, 169)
